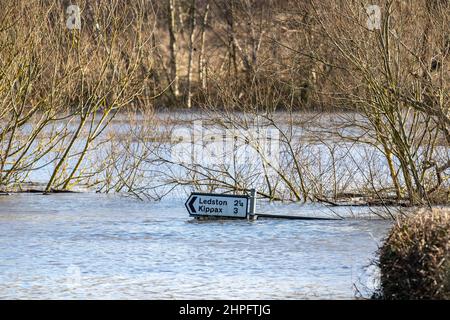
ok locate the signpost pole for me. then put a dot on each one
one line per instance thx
(252, 210)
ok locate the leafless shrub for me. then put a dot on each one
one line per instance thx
(414, 260)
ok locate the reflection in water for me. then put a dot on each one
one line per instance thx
(105, 246)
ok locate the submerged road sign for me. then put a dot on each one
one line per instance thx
(217, 205)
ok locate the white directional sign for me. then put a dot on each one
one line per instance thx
(217, 205)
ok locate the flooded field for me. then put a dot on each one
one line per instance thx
(106, 246)
(114, 113)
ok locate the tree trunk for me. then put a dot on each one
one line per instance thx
(173, 48)
(66, 152)
(191, 49)
(231, 38)
(392, 172)
(201, 57)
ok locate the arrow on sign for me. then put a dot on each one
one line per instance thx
(191, 205)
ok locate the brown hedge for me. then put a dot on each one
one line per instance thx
(415, 259)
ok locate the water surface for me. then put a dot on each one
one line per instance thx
(107, 246)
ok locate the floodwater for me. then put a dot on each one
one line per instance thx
(98, 246)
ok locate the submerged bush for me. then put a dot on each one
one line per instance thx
(415, 259)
